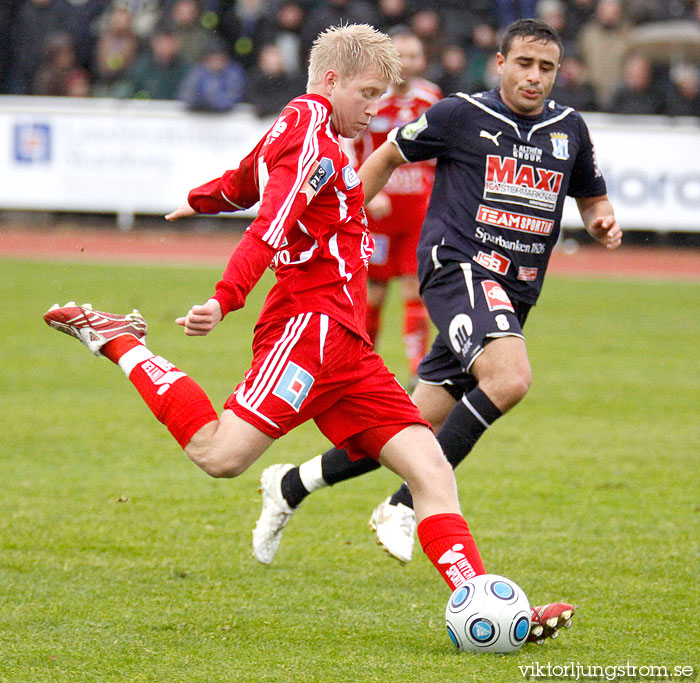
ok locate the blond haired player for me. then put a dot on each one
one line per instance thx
(312, 358)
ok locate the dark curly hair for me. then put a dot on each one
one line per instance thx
(530, 28)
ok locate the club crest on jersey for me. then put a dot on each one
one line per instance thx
(560, 145)
(412, 130)
(294, 385)
(350, 178)
(322, 174)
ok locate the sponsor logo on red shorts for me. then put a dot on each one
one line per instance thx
(496, 297)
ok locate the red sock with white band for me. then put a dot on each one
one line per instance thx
(450, 546)
(173, 397)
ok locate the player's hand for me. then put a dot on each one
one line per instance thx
(606, 230)
(201, 320)
(180, 212)
(379, 207)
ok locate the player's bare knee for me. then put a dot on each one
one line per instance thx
(215, 462)
(222, 466)
(519, 384)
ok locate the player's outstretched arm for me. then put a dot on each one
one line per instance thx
(201, 320)
(599, 219)
(180, 212)
(378, 167)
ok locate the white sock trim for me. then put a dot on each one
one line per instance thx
(474, 412)
(133, 357)
(311, 476)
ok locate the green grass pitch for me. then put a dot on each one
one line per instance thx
(121, 561)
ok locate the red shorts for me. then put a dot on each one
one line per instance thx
(396, 238)
(311, 367)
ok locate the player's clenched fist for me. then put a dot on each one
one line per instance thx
(201, 320)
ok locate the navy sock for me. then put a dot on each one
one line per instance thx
(467, 421)
(336, 466)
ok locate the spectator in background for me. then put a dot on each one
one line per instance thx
(336, 12)
(79, 84)
(683, 96)
(85, 16)
(454, 74)
(117, 47)
(59, 70)
(286, 35)
(428, 26)
(645, 11)
(572, 87)
(6, 23)
(392, 13)
(245, 26)
(144, 15)
(159, 72)
(508, 11)
(185, 19)
(34, 21)
(553, 12)
(270, 87)
(217, 83)
(483, 48)
(579, 13)
(638, 92)
(602, 45)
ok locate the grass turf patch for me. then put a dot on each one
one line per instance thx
(121, 561)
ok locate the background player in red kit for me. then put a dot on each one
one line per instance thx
(396, 214)
(312, 358)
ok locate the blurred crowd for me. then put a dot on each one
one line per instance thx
(215, 54)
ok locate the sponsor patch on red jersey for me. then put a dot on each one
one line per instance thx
(496, 297)
(527, 274)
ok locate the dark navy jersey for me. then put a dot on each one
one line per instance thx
(500, 185)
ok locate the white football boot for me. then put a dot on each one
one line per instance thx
(395, 527)
(274, 516)
(95, 328)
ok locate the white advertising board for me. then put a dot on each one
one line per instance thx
(113, 156)
(132, 157)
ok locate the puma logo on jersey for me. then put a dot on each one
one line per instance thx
(493, 138)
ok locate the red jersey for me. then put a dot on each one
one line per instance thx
(310, 229)
(396, 110)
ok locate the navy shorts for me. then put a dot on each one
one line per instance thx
(469, 308)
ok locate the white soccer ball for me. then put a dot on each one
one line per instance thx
(488, 614)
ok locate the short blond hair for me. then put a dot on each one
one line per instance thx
(351, 50)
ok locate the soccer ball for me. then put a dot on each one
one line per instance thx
(488, 614)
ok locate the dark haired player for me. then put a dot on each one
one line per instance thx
(506, 159)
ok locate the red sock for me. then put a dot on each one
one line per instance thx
(449, 545)
(415, 332)
(373, 318)
(117, 347)
(173, 397)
